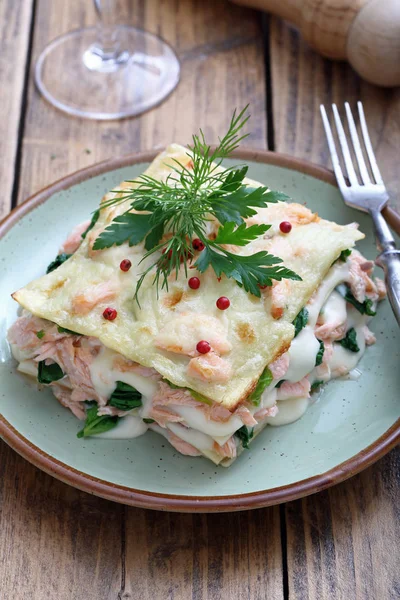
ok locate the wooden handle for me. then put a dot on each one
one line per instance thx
(364, 32)
(392, 218)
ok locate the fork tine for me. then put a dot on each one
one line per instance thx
(368, 145)
(356, 145)
(332, 148)
(351, 174)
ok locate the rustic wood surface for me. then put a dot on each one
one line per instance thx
(57, 542)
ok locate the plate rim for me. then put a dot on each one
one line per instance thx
(171, 502)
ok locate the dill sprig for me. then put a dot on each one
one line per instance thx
(170, 214)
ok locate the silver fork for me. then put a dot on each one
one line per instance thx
(369, 196)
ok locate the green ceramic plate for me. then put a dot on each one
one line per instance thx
(350, 426)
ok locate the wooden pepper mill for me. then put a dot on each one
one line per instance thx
(366, 33)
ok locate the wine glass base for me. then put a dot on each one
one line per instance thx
(76, 76)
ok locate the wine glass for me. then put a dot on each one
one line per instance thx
(106, 72)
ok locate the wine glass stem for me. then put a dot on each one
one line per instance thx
(105, 55)
(107, 32)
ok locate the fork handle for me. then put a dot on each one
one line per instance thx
(388, 260)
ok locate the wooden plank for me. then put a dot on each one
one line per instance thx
(165, 556)
(55, 541)
(341, 543)
(215, 42)
(15, 21)
(220, 557)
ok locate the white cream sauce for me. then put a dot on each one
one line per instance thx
(127, 428)
(302, 354)
(105, 377)
(289, 411)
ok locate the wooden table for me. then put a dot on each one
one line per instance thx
(62, 544)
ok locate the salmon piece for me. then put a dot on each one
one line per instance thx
(380, 288)
(334, 330)
(74, 239)
(182, 333)
(163, 416)
(209, 367)
(64, 398)
(166, 396)
(182, 446)
(299, 214)
(125, 365)
(360, 282)
(279, 367)
(228, 450)
(216, 412)
(370, 338)
(263, 413)
(300, 389)
(247, 418)
(279, 293)
(339, 371)
(83, 303)
(23, 332)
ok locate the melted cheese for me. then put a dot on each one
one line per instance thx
(255, 337)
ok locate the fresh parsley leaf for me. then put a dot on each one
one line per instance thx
(95, 218)
(245, 434)
(315, 385)
(350, 341)
(149, 421)
(250, 271)
(182, 204)
(241, 203)
(49, 373)
(64, 330)
(320, 353)
(239, 236)
(40, 334)
(264, 381)
(129, 227)
(59, 260)
(96, 424)
(300, 321)
(365, 308)
(125, 397)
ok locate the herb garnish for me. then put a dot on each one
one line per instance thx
(244, 434)
(300, 321)
(264, 381)
(181, 206)
(365, 308)
(320, 353)
(59, 260)
(125, 397)
(49, 373)
(40, 334)
(95, 423)
(350, 341)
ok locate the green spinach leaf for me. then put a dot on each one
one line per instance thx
(264, 381)
(59, 260)
(350, 341)
(49, 373)
(245, 434)
(300, 321)
(125, 397)
(320, 353)
(365, 308)
(95, 423)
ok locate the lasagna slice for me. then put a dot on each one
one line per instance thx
(138, 367)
